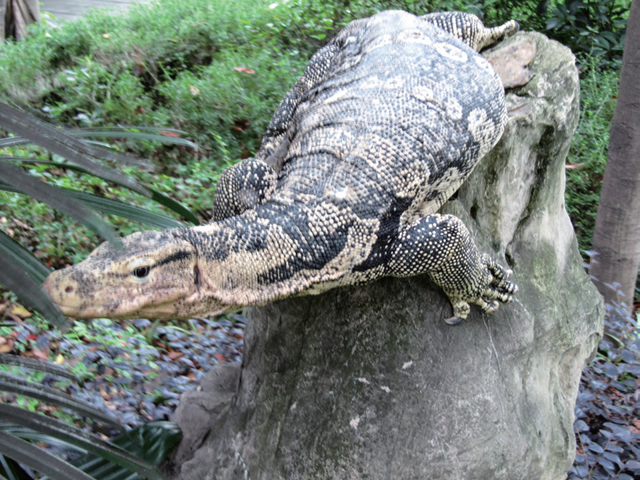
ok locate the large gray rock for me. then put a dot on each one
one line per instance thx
(369, 382)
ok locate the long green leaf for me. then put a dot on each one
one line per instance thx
(58, 142)
(14, 278)
(35, 437)
(156, 196)
(12, 469)
(17, 385)
(15, 179)
(134, 136)
(38, 459)
(163, 135)
(115, 207)
(32, 266)
(174, 205)
(74, 436)
(40, 366)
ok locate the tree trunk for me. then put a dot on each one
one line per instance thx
(369, 382)
(616, 238)
(17, 15)
(2, 11)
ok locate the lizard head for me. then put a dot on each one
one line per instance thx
(154, 275)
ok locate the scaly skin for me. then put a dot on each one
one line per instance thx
(385, 124)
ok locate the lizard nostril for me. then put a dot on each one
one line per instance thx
(69, 289)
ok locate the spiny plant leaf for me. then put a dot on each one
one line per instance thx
(163, 135)
(58, 142)
(32, 266)
(15, 179)
(115, 207)
(52, 396)
(38, 459)
(33, 364)
(75, 436)
(124, 132)
(14, 278)
(152, 442)
(12, 470)
(156, 196)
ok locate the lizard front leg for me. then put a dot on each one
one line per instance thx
(251, 182)
(242, 187)
(441, 246)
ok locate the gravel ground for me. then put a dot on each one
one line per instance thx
(134, 380)
(180, 359)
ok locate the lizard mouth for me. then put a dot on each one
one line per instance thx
(77, 301)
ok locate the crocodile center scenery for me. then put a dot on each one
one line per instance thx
(385, 124)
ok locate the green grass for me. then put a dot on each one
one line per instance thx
(589, 147)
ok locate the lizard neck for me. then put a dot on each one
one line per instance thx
(279, 250)
(240, 258)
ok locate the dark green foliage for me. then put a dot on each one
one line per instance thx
(22, 431)
(607, 409)
(592, 28)
(588, 155)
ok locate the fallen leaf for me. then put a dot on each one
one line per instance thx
(59, 360)
(245, 70)
(19, 311)
(175, 355)
(170, 134)
(39, 354)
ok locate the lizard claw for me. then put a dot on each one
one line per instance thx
(496, 290)
(453, 320)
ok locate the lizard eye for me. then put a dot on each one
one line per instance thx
(141, 272)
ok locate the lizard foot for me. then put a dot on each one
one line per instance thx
(497, 289)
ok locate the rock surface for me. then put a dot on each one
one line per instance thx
(369, 382)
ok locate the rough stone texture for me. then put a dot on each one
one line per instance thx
(369, 382)
(512, 62)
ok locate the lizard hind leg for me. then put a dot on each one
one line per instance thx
(470, 29)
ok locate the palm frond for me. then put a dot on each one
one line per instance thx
(10, 383)
(87, 441)
(156, 196)
(27, 454)
(112, 207)
(14, 277)
(24, 258)
(33, 364)
(163, 135)
(58, 142)
(17, 180)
